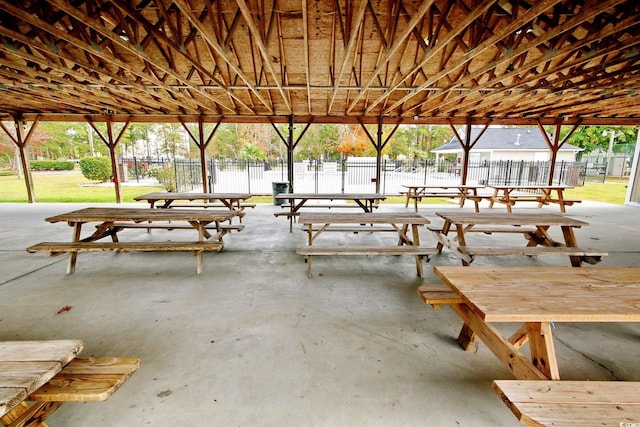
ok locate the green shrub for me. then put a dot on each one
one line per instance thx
(51, 165)
(166, 177)
(96, 168)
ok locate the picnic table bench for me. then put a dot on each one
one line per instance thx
(463, 192)
(509, 195)
(572, 403)
(232, 201)
(112, 220)
(317, 223)
(296, 201)
(534, 226)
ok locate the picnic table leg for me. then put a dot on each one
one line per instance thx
(416, 242)
(199, 254)
(31, 416)
(462, 242)
(445, 230)
(519, 337)
(493, 198)
(561, 201)
(73, 256)
(507, 353)
(466, 337)
(309, 243)
(543, 352)
(570, 241)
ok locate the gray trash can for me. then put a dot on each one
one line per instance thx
(279, 188)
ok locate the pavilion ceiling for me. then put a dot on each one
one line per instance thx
(322, 60)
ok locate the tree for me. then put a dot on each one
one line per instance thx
(593, 138)
(137, 134)
(251, 152)
(172, 139)
(354, 142)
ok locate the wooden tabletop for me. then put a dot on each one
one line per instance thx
(443, 186)
(362, 218)
(549, 294)
(140, 215)
(27, 365)
(192, 196)
(331, 196)
(515, 218)
(530, 187)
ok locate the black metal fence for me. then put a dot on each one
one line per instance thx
(354, 175)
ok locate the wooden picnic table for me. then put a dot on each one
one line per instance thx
(534, 226)
(452, 191)
(296, 201)
(25, 366)
(316, 223)
(233, 201)
(509, 195)
(48, 373)
(536, 297)
(112, 220)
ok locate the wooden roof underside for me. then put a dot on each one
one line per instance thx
(336, 61)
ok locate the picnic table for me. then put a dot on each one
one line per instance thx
(534, 226)
(536, 297)
(452, 191)
(317, 223)
(49, 374)
(296, 201)
(112, 220)
(233, 201)
(509, 195)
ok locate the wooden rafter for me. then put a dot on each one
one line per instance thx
(339, 61)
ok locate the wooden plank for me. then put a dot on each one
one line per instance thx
(437, 295)
(125, 246)
(579, 392)
(142, 215)
(531, 250)
(539, 219)
(571, 403)
(236, 227)
(359, 229)
(362, 218)
(35, 356)
(553, 294)
(87, 379)
(506, 352)
(61, 351)
(365, 250)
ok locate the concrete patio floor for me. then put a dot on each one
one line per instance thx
(254, 342)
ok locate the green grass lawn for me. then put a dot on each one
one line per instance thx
(68, 188)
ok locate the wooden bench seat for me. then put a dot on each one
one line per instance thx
(365, 250)
(87, 380)
(62, 247)
(572, 403)
(437, 295)
(81, 380)
(209, 205)
(141, 225)
(348, 229)
(418, 251)
(487, 230)
(57, 248)
(532, 251)
(287, 214)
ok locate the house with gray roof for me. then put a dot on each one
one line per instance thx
(508, 143)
